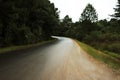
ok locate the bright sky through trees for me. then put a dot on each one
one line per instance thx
(74, 8)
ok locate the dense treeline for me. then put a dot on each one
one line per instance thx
(32, 21)
(26, 21)
(103, 34)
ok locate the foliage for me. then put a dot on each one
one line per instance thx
(32, 21)
(27, 21)
(110, 60)
(117, 11)
(89, 13)
(66, 23)
(103, 34)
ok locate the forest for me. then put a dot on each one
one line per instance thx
(25, 22)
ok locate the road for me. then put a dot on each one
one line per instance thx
(59, 60)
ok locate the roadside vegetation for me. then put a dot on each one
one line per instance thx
(100, 34)
(15, 48)
(111, 59)
(28, 22)
(25, 22)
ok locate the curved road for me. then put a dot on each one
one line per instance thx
(59, 60)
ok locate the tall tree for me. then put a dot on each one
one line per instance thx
(66, 24)
(26, 21)
(67, 21)
(89, 14)
(117, 11)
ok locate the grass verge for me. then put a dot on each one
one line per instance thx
(106, 57)
(13, 48)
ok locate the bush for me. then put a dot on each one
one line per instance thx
(114, 47)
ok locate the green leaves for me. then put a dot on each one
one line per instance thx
(117, 11)
(27, 21)
(89, 14)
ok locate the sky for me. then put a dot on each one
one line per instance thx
(74, 8)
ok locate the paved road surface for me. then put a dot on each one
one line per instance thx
(59, 60)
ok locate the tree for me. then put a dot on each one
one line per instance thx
(67, 21)
(66, 24)
(117, 11)
(27, 21)
(75, 31)
(89, 14)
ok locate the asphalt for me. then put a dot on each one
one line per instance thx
(25, 64)
(62, 59)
